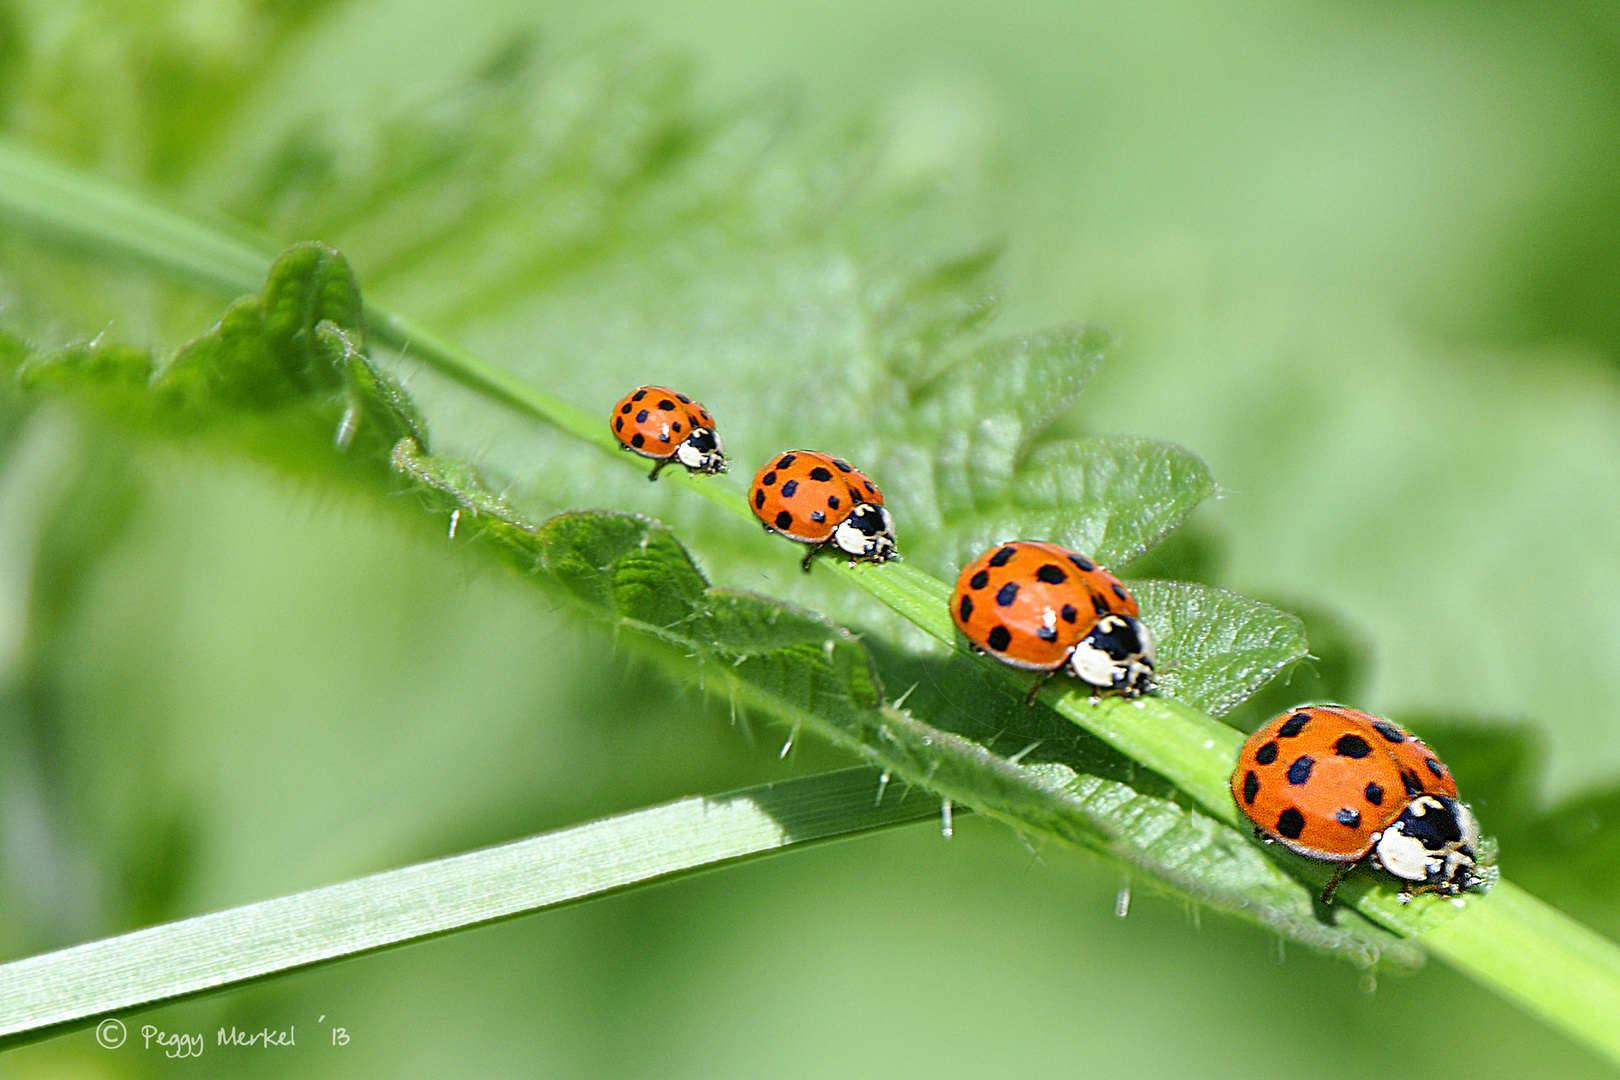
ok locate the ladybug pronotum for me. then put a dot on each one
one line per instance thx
(1041, 606)
(658, 423)
(1339, 785)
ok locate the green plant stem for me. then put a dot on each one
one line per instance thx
(55, 992)
(1190, 749)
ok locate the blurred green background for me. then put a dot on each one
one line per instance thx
(1361, 257)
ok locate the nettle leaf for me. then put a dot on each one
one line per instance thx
(799, 668)
(282, 358)
(284, 373)
(985, 410)
(1216, 647)
(972, 468)
(586, 201)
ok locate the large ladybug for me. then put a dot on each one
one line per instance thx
(1336, 784)
(825, 502)
(658, 423)
(1041, 606)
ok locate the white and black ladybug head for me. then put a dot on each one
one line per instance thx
(702, 451)
(1117, 655)
(867, 533)
(1434, 843)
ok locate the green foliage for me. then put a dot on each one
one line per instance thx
(583, 221)
(276, 357)
(45, 995)
(1217, 647)
(285, 373)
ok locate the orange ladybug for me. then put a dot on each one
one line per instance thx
(823, 501)
(1339, 785)
(658, 423)
(1040, 606)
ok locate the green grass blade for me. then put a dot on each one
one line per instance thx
(1535, 955)
(55, 992)
(53, 200)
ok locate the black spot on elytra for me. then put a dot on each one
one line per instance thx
(683, 399)
(790, 489)
(1004, 556)
(833, 503)
(1291, 823)
(676, 426)
(1100, 605)
(787, 459)
(618, 425)
(625, 409)
(784, 519)
(759, 498)
(1294, 726)
(1414, 786)
(1434, 767)
(1352, 746)
(1374, 794)
(1389, 731)
(1119, 591)
(638, 395)
(966, 607)
(638, 440)
(1069, 614)
(817, 515)
(843, 466)
(1047, 633)
(1086, 565)
(820, 474)
(664, 437)
(1347, 816)
(979, 580)
(1007, 594)
(1300, 770)
(666, 405)
(641, 417)
(999, 639)
(1251, 787)
(869, 487)
(1266, 754)
(768, 479)
(1052, 574)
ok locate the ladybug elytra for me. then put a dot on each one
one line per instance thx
(823, 501)
(1339, 785)
(1041, 606)
(658, 423)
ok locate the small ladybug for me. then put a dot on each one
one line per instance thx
(658, 423)
(1040, 606)
(823, 501)
(1336, 784)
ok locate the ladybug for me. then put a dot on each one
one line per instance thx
(1336, 784)
(1041, 606)
(658, 423)
(823, 501)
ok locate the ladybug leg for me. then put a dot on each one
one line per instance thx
(1029, 698)
(658, 467)
(815, 549)
(1333, 882)
(1261, 835)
